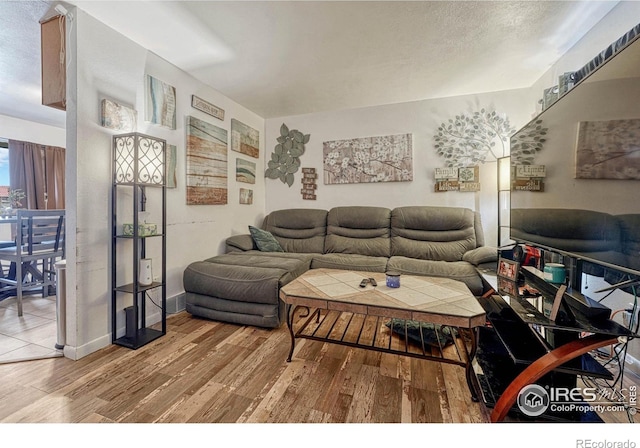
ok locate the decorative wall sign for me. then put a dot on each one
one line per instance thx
(160, 102)
(468, 174)
(470, 140)
(206, 163)
(447, 185)
(370, 159)
(608, 150)
(309, 186)
(446, 173)
(285, 158)
(245, 139)
(172, 158)
(528, 177)
(529, 171)
(528, 185)
(118, 117)
(246, 196)
(245, 171)
(207, 107)
(465, 180)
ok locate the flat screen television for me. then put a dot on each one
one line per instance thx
(590, 207)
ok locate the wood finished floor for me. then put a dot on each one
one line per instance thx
(206, 371)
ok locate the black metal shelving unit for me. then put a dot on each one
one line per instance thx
(139, 167)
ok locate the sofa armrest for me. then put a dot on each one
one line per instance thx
(240, 243)
(481, 255)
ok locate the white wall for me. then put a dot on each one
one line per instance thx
(420, 118)
(28, 131)
(111, 66)
(622, 18)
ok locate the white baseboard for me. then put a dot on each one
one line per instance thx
(175, 304)
(76, 353)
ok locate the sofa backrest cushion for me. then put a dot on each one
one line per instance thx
(359, 230)
(433, 233)
(298, 230)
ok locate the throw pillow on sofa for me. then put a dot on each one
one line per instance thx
(265, 241)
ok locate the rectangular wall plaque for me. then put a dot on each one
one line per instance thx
(447, 185)
(446, 173)
(529, 171)
(207, 107)
(528, 185)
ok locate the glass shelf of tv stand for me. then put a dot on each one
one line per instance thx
(533, 310)
(525, 341)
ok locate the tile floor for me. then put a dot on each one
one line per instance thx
(32, 336)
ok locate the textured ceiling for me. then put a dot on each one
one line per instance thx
(281, 58)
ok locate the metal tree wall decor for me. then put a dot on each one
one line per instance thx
(526, 143)
(285, 159)
(469, 140)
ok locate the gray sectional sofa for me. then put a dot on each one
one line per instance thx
(242, 286)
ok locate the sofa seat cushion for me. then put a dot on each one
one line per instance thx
(456, 270)
(350, 261)
(248, 278)
(291, 266)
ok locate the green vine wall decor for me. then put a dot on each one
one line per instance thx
(285, 158)
(469, 140)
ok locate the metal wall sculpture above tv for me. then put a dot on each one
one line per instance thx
(590, 208)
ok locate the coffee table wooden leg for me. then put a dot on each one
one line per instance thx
(290, 311)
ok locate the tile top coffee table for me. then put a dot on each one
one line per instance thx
(339, 311)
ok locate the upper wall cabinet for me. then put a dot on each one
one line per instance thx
(54, 62)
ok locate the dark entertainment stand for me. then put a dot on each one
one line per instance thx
(521, 345)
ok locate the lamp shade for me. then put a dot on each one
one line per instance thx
(504, 173)
(139, 159)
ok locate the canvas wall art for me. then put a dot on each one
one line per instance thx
(608, 150)
(371, 159)
(206, 163)
(245, 171)
(245, 139)
(118, 117)
(246, 196)
(171, 161)
(160, 103)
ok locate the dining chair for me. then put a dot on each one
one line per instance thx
(39, 244)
